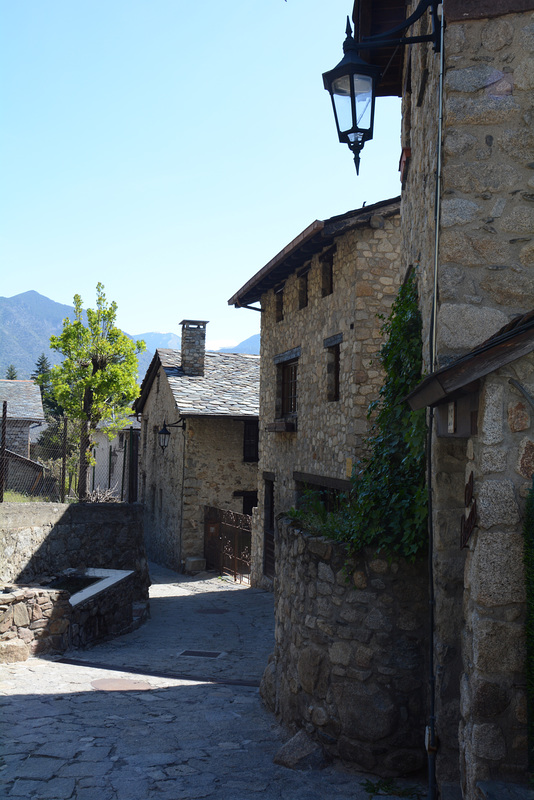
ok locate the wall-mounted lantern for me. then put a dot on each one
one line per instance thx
(352, 87)
(164, 435)
(352, 83)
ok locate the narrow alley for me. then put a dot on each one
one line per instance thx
(171, 711)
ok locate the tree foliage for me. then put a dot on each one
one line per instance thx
(11, 373)
(97, 380)
(41, 376)
(387, 507)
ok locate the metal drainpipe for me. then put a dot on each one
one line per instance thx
(431, 730)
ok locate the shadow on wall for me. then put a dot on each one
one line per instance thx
(41, 540)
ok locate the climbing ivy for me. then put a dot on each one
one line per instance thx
(528, 533)
(387, 507)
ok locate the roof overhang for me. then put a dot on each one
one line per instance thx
(460, 377)
(313, 239)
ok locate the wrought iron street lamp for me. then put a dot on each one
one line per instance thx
(164, 435)
(352, 87)
(352, 83)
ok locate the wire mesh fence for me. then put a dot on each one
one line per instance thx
(40, 461)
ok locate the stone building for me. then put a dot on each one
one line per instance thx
(115, 468)
(24, 409)
(319, 297)
(468, 228)
(211, 458)
(21, 472)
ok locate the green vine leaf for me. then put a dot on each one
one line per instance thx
(387, 508)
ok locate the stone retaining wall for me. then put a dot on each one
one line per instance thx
(349, 664)
(36, 620)
(38, 539)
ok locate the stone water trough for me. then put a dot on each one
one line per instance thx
(36, 618)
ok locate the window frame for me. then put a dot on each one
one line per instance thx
(251, 433)
(304, 287)
(326, 260)
(289, 388)
(279, 303)
(332, 347)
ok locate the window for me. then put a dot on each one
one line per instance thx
(289, 387)
(279, 303)
(303, 288)
(332, 372)
(286, 391)
(333, 361)
(330, 498)
(328, 490)
(250, 440)
(327, 272)
(250, 501)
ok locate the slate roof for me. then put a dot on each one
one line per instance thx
(229, 386)
(23, 400)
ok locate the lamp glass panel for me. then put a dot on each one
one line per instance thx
(342, 102)
(363, 95)
(164, 438)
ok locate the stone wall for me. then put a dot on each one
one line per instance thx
(33, 621)
(487, 221)
(349, 663)
(214, 470)
(39, 539)
(493, 731)
(484, 264)
(18, 437)
(37, 620)
(366, 276)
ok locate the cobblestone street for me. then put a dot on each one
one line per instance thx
(137, 718)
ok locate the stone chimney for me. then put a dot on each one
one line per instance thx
(193, 346)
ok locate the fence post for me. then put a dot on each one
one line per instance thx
(3, 451)
(63, 461)
(125, 453)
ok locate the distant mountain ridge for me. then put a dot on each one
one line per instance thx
(28, 320)
(250, 346)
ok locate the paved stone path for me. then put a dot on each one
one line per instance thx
(136, 718)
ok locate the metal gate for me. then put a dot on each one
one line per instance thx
(227, 542)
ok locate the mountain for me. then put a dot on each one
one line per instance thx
(154, 340)
(250, 345)
(28, 320)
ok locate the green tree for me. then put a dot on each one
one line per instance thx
(41, 376)
(97, 380)
(11, 373)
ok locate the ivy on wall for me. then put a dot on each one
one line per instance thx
(387, 507)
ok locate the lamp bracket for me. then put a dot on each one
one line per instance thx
(389, 39)
(180, 423)
(523, 391)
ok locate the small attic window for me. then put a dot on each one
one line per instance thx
(303, 287)
(279, 303)
(327, 272)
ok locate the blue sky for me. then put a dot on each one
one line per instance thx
(170, 149)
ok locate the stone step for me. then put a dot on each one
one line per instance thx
(13, 650)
